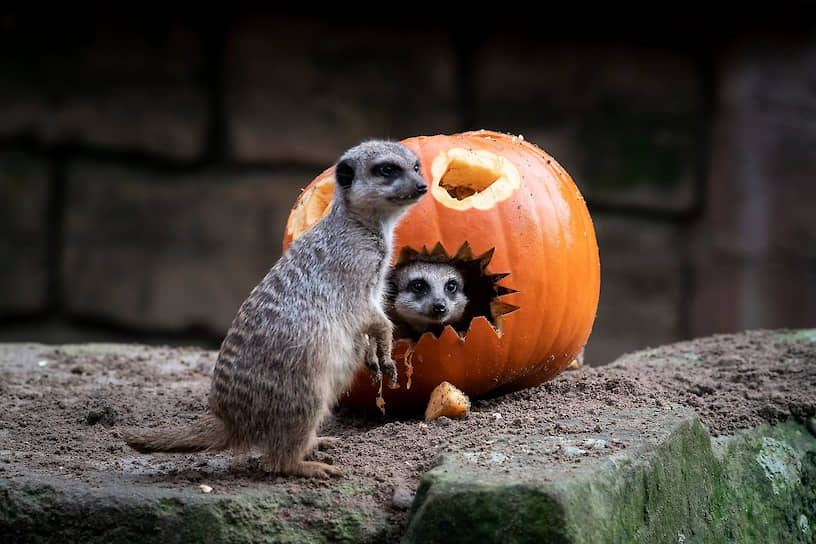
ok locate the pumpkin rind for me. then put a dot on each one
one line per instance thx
(543, 238)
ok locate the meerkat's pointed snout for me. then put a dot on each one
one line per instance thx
(420, 185)
(439, 308)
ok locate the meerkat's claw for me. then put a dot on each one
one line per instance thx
(315, 469)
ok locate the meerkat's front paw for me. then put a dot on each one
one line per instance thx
(374, 367)
(372, 362)
(389, 368)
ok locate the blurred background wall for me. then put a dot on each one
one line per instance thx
(148, 164)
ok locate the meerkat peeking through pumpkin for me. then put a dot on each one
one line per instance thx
(426, 295)
(430, 290)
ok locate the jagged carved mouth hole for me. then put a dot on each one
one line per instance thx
(481, 287)
(463, 179)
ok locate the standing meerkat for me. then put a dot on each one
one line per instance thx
(307, 327)
(425, 296)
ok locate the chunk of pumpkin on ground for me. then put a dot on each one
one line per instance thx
(447, 400)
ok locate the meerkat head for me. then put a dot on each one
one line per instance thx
(379, 179)
(427, 294)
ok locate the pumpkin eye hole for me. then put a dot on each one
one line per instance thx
(462, 180)
(471, 178)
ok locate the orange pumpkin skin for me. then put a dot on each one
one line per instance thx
(542, 236)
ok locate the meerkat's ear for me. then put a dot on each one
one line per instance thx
(344, 174)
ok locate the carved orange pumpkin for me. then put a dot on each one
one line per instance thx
(506, 209)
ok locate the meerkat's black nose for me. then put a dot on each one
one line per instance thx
(439, 308)
(421, 187)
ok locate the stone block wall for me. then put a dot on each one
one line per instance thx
(147, 164)
(757, 238)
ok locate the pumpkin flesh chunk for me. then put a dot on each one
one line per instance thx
(447, 400)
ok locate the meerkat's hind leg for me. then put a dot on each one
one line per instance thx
(298, 466)
(325, 442)
(321, 443)
(315, 469)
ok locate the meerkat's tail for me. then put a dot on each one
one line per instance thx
(207, 434)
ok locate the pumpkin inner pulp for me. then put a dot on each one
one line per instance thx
(470, 178)
(462, 180)
(481, 287)
(311, 208)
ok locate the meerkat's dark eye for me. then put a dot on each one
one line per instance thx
(451, 287)
(387, 170)
(416, 168)
(418, 286)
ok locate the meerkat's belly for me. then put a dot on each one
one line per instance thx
(340, 352)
